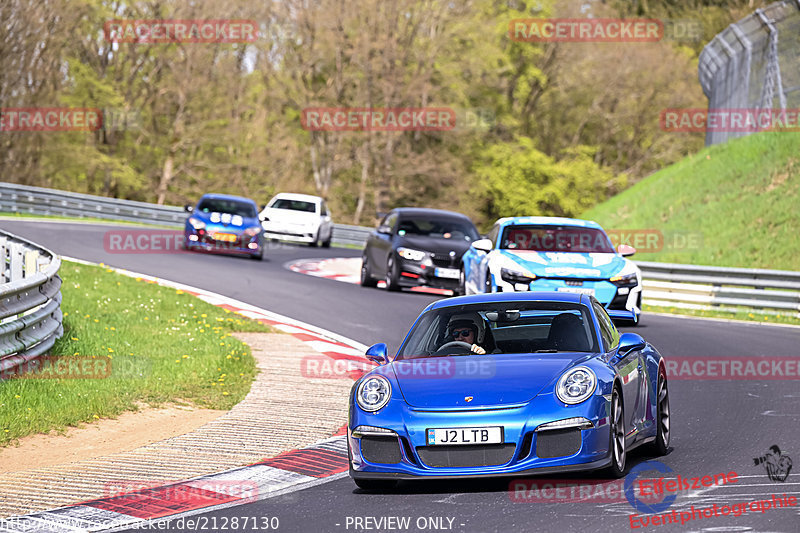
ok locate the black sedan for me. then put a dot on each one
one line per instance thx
(415, 247)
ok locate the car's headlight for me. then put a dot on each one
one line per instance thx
(373, 393)
(628, 280)
(252, 232)
(515, 276)
(576, 385)
(196, 223)
(411, 255)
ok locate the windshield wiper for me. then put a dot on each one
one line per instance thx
(546, 351)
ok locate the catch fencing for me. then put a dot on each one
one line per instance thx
(30, 301)
(665, 284)
(753, 64)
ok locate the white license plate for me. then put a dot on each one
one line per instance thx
(447, 436)
(451, 273)
(576, 290)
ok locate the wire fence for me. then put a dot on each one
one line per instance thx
(754, 65)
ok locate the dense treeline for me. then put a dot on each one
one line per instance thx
(561, 126)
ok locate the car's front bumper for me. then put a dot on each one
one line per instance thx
(302, 233)
(523, 450)
(426, 274)
(608, 294)
(204, 240)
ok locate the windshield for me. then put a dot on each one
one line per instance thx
(233, 207)
(294, 205)
(507, 328)
(556, 239)
(440, 228)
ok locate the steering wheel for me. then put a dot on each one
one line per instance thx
(454, 344)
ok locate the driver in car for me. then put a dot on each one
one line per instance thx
(470, 329)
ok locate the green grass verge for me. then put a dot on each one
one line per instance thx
(743, 315)
(163, 345)
(733, 204)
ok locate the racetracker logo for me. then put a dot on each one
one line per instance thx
(324, 367)
(378, 119)
(61, 367)
(50, 119)
(653, 240)
(731, 120)
(733, 368)
(585, 30)
(243, 491)
(159, 31)
(163, 241)
(570, 491)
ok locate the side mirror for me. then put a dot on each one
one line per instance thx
(263, 206)
(386, 230)
(629, 342)
(377, 353)
(626, 250)
(188, 208)
(484, 245)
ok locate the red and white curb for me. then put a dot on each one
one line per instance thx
(293, 470)
(348, 270)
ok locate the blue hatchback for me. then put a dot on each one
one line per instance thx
(224, 223)
(507, 384)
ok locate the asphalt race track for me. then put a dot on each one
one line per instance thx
(717, 426)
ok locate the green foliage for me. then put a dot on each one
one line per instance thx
(517, 179)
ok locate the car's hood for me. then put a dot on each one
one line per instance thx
(565, 264)
(491, 380)
(226, 220)
(435, 245)
(289, 215)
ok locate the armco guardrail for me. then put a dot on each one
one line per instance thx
(30, 301)
(672, 285)
(41, 201)
(694, 286)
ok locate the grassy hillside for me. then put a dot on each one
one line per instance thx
(736, 204)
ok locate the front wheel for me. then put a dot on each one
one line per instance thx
(392, 275)
(327, 242)
(617, 436)
(375, 484)
(366, 276)
(661, 444)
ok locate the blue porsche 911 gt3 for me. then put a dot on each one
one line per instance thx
(507, 384)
